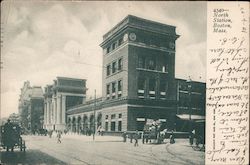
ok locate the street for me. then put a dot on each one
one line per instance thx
(105, 150)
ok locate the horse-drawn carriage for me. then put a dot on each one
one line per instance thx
(154, 131)
(11, 137)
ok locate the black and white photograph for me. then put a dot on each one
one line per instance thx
(103, 82)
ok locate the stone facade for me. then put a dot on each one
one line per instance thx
(31, 107)
(59, 97)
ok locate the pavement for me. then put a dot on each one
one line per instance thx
(109, 150)
(30, 157)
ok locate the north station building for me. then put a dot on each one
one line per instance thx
(138, 82)
(59, 97)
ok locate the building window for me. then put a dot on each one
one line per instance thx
(120, 64)
(108, 49)
(141, 83)
(120, 116)
(113, 116)
(162, 85)
(141, 87)
(141, 62)
(114, 67)
(107, 117)
(152, 83)
(165, 68)
(119, 125)
(151, 63)
(120, 41)
(113, 90)
(108, 91)
(113, 46)
(162, 89)
(108, 70)
(119, 88)
(112, 128)
(106, 126)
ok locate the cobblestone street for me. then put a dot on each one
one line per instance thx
(105, 150)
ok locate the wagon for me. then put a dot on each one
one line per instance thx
(10, 137)
(154, 130)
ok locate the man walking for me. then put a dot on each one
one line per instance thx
(59, 135)
(136, 137)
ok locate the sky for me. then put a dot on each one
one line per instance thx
(46, 39)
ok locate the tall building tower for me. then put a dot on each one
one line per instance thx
(138, 82)
(139, 60)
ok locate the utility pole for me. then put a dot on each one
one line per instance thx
(94, 116)
(189, 103)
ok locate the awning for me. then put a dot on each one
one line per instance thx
(196, 118)
(140, 119)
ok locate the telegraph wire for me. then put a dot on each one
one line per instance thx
(94, 65)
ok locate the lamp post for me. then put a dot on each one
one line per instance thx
(189, 103)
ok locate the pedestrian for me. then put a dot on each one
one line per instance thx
(124, 135)
(143, 137)
(136, 137)
(172, 141)
(102, 131)
(59, 135)
(191, 137)
(50, 133)
(131, 137)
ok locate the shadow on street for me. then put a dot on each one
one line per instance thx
(29, 157)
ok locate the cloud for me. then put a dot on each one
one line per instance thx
(191, 61)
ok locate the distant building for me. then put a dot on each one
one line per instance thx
(30, 107)
(59, 97)
(191, 98)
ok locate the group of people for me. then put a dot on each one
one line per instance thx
(88, 131)
(58, 135)
(196, 139)
(131, 136)
(136, 135)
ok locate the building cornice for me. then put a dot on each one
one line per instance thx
(109, 38)
(134, 22)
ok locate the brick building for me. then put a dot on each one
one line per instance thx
(138, 80)
(191, 97)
